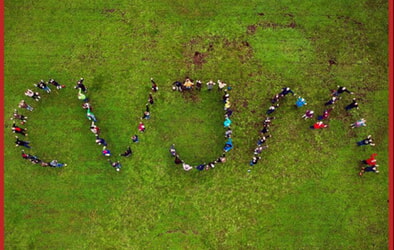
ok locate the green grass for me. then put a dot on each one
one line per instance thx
(304, 194)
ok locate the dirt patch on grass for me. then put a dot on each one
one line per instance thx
(366, 88)
(241, 48)
(179, 231)
(245, 43)
(193, 41)
(109, 10)
(265, 24)
(332, 61)
(194, 53)
(292, 25)
(198, 58)
(210, 47)
(348, 19)
(352, 133)
(198, 50)
(191, 95)
(268, 25)
(251, 29)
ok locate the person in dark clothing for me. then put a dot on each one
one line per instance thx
(127, 153)
(150, 99)
(33, 159)
(134, 138)
(352, 105)
(100, 141)
(265, 129)
(268, 120)
(366, 141)
(177, 160)
(228, 133)
(254, 160)
(229, 112)
(172, 150)
(373, 168)
(18, 130)
(226, 96)
(308, 114)
(340, 90)
(332, 100)
(145, 115)
(325, 114)
(56, 84)
(286, 91)
(21, 143)
(81, 86)
(276, 98)
(259, 149)
(272, 109)
(198, 85)
(155, 88)
(177, 86)
(42, 85)
(201, 167)
(17, 116)
(115, 165)
(263, 139)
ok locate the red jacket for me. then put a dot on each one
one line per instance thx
(318, 125)
(371, 160)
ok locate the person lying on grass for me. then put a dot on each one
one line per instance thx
(17, 116)
(373, 168)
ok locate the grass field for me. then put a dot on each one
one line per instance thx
(304, 194)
